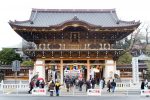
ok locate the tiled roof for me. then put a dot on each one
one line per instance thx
(96, 17)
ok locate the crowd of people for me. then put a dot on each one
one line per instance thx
(41, 84)
(73, 82)
(90, 84)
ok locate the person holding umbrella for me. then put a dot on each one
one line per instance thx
(31, 86)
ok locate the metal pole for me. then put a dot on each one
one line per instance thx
(16, 82)
(15, 77)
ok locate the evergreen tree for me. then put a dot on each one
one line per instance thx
(125, 59)
(7, 55)
(27, 63)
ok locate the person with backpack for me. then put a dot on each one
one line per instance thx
(113, 84)
(51, 87)
(57, 86)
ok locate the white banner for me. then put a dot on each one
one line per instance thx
(71, 71)
(39, 91)
(135, 70)
(94, 92)
(145, 92)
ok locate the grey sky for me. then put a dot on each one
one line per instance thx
(21, 9)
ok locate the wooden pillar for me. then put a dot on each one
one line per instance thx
(88, 69)
(61, 72)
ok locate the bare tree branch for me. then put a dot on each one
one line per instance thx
(147, 32)
(132, 40)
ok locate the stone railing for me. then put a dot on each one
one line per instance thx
(19, 86)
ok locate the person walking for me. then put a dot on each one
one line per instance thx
(80, 84)
(93, 82)
(31, 86)
(146, 84)
(88, 85)
(142, 85)
(113, 84)
(41, 83)
(77, 83)
(108, 85)
(57, 86)
(51, 87)
(101, 84)
(67, 81)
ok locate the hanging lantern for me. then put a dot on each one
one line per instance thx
(79, 67)
(71, 67)
(56, 67)
(67, 67)
(83, 67)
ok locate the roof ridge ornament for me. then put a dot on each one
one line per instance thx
(75, 18)
(34, 16)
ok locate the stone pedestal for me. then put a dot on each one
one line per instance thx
(109, 70)
(39, 68)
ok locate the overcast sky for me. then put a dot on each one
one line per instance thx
(21, 9)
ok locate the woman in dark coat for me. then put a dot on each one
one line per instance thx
(142, 85)
(108, 86)
(88, 85)
(51, 88)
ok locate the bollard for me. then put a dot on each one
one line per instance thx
(2, 82)
(73, 90)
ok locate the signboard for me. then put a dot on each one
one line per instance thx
(135, 70)
(94, 92)
(39, 91)
(148, 83)
(16, 65)
(72, 72)
(145, 92)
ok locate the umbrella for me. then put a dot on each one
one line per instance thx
(35, 77)
(40, 78)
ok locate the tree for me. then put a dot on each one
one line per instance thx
(7, 55)
(128, 43)
(147, 51)
(27, 63)
(125, 59)
(148, 70)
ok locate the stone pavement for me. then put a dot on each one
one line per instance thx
(73, 92)
(74, 98)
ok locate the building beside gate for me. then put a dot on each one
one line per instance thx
(73, 42)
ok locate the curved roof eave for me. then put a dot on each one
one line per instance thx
(74, 23)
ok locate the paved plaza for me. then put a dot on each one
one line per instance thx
(74, 98)
(73, 92)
